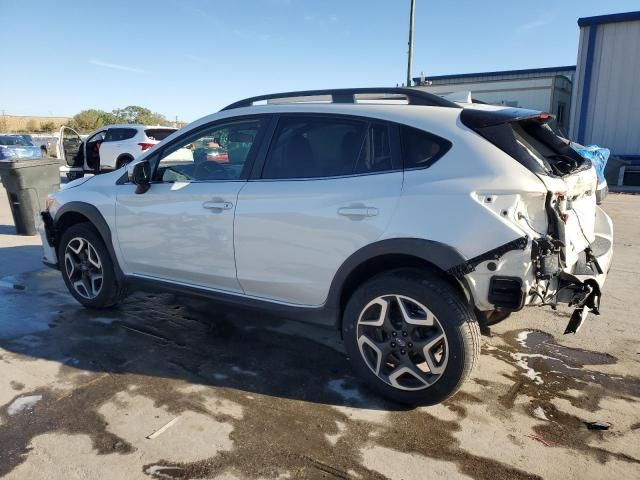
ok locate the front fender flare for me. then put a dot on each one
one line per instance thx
(97, 220)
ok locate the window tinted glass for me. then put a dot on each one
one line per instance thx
(159, 134)
(312, 147)
(375, 156)
(219, 153)
(119, 134)
(421, 149)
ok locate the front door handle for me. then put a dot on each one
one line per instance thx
(217, 205)
(358, 212)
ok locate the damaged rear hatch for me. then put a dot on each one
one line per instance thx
(570, 179)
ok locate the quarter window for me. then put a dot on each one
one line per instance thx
(217, 153)
(421, 149)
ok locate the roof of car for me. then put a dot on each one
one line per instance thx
(134, 125)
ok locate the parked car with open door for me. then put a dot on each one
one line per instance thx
(107, 148)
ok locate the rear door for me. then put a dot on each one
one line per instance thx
(328, 186)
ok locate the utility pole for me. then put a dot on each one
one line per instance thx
(410, 59)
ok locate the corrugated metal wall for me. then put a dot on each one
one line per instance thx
(607, 112)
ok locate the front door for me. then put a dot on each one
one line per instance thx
(329, 187)
(70, 148)
(181, 229)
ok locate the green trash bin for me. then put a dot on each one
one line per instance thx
(28, 182)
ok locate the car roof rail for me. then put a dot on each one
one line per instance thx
(348, 95)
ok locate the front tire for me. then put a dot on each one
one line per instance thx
(411, 336)
(87, 268)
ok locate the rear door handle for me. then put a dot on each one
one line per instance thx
(217, 205)
(355, 212)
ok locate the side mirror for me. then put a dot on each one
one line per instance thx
(140, 175)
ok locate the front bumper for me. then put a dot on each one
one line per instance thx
(46, 230)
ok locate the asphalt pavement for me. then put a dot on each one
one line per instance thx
(168, 387)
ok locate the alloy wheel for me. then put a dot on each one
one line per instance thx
(402, 342)
(83, 267)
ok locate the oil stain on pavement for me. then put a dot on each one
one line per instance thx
(277, 401)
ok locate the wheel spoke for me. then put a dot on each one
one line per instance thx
(407, 368)
(79, 248)
(92, 257)
(71, 264)
(381, 318)
(427, 321)
(81, 288)
(435, 367)
(381, 350)
(95, 280)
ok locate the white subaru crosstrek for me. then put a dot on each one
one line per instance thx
(108, 148)
(405, 224)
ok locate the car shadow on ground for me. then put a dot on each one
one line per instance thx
(170, 337)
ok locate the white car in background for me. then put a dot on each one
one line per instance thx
(107, 148)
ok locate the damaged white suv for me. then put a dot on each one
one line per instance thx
(401, 219)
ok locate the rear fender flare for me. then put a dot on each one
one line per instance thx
(440, 255)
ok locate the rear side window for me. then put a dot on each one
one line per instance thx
(313, 147)
(119, 134)
(317, 147)
(158, 134)
(421, 149)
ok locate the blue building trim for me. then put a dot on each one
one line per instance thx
(613, 18)
(586, 84)
(501, 72)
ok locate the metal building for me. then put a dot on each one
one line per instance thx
(546, 89)
(606, 100)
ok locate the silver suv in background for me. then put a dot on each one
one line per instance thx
(107, 148)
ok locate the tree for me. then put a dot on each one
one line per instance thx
(137, 114)
(47, 127)
(31, 126)
(88, 120)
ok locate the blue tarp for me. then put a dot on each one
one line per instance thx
(597, 155)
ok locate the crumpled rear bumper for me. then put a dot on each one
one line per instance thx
(581, 285)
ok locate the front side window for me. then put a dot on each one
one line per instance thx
(421, 149)
(216, 153)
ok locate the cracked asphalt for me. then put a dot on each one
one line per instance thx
(167, 387)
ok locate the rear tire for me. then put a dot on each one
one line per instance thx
(87, 268)
(427, 336)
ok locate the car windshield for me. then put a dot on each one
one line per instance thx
(15, 140)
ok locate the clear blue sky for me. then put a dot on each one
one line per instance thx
(191, 57)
